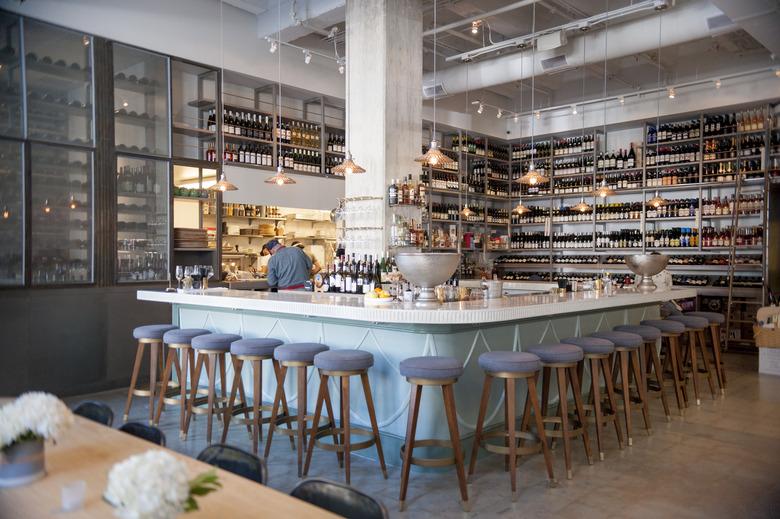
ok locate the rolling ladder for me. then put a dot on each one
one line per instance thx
(744, 300)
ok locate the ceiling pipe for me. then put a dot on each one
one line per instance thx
(467, 21)
(689, 22)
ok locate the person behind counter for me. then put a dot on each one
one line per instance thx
(262, 261)
(315, 264)
(289, 267)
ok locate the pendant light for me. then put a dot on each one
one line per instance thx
(434, 156)
(533, 177)
(348, 165)
(583, 207)
(657, 201)
(520, 209)
(223, 184)
(466, 212)
(603, 191)
(280, 178)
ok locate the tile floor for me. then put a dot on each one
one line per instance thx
(721, 460)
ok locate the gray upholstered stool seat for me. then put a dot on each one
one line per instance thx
(712, 317)
(343, 360)
(152, 331)
(183, 335)
(299, 351)
(257, 346)
(431, 367)
(215, 341)
(509, 361)
(665, 325)
(648, 333)
(691, 322)
(557, 353)
(620, 339)
(591, 345)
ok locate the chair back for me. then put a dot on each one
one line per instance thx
(235, 460)
(149, 433)
(340, 499)
(95, 411)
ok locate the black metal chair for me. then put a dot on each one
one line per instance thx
(149, 433)
(340, 499)
(235, 460)
(95, 411)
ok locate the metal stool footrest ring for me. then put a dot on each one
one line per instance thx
(504, 450)
(353, 446)
(576, 427)
(173, 396)
(292, 421)
(220, 405)
(443, 461)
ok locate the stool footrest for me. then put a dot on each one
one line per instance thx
(443, 461)
(504, 450)
(576, 428)
(293, 422)
(353, 446)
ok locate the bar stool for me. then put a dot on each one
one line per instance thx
(563, 358)
(598, 351)
(180, 357)
(695, 327)
(211, 350)
(511, 366)
(432, 371)
(715, 319)
(298, 356)
(344, 364)
(650, 336)
(152, 335)
(670, 347)
(254, 351)
(627, 348)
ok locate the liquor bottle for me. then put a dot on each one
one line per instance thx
(392, 193)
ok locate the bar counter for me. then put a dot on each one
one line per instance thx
(399, 330)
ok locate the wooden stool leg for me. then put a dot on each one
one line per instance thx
(540, 426)
(185, 357)
(223, 379)
(640, 380)
(193, 393)
(452, 422)
(655, 364)
(607, 374)
(139, 358)
(155, 347)
(546, 374)
(411, 429)
(317, 414)
(257, 404)
(506, 425)
(346, 426)
(301, 416)
(595, 391)
(286, 410)
(166, 377)
(212, 375)
(510, 398)
(525, 423)
(626, 386)
(715, 332)
(576, 390)
(483, 402)
(694, 365)
(706, 360)
(563, 405)
(275, 408)
(238, 364)
(244, 405)
(332, 424)
(374, 424)
(674, 353)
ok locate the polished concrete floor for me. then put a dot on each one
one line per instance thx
(721, 460)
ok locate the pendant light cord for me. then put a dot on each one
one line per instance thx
(533, 78)
(658, 86)
(433, 137)
(279, 80)
(604, 117)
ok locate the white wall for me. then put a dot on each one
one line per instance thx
(310, 192)
(187, 29)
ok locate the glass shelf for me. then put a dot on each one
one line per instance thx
(141, 118)
(10, 77)
(11, 214)
(58, 64)
(61, 215)
(194, 89)
(142, 219)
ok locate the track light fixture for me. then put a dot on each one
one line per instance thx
(538, 115)
(671, 93)
(274, 46)
(499, 114)
(574, 109)
(622, 100)
(306, 56)
(72, 203)
(475, 25)
(717, 83)
(6, 213)
(480, 108)
(46, 206)
(516, 119)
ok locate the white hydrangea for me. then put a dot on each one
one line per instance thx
(41, 414)
(152, 485)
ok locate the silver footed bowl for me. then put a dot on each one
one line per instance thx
(427, 270)
(647, 266)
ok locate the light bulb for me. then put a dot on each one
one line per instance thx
(433, 160)
(475, 26)
(499, 114)
(6, 213)
(348, 170)
(72, 203)
(656, 204)
(46, 207)
(777, 72)
(671, 93)
(603, 194)
(574, 109)
(532, 181)
(622, 100)
(222, 188)
(279, 181)
(125, 104)
(85, 40)
(341, 69)
(538, 114)
(480, 108)
(717, 83)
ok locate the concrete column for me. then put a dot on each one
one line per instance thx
(384, 72)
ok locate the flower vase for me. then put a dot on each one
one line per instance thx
(22, 463)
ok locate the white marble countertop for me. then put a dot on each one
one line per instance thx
(530, 286)
(349, 307)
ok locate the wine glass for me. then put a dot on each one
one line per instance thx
(209, 273)
(188, 274)
(179, 275)
(204, 280)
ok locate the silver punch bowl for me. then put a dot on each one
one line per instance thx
(647, 266)
(427, 270)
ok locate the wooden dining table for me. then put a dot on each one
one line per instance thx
(88, 450)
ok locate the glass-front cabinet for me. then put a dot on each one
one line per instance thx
(61, 215)
(142, 219)
(12, 216)
(10, 76)
(58, 68)
(194, 95)
(141, 118)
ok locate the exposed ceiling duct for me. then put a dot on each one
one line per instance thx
(688, 23)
